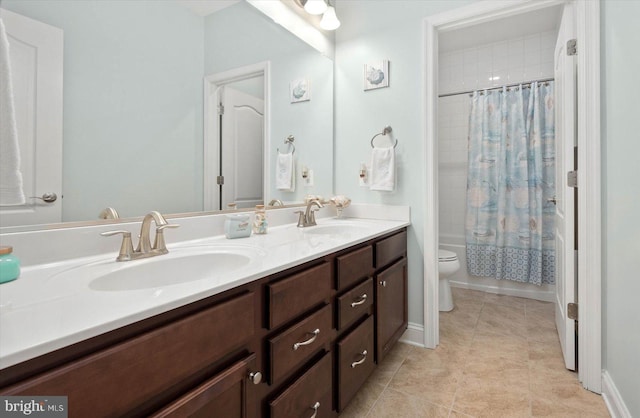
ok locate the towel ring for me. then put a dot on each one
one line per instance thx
(385, 131)
(289, 141)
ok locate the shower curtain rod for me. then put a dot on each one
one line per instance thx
(495, 88)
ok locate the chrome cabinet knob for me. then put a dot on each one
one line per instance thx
(383, 283)
(255, 377)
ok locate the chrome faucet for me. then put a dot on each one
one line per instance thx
(144, 249)
(276, 202)
(109, 213)
(308, 217)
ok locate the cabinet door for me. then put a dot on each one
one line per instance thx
(391, 307)
(224, 395)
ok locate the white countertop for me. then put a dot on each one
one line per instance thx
(43, 310)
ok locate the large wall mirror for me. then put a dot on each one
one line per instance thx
(134, 128)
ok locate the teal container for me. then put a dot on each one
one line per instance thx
(9, 265)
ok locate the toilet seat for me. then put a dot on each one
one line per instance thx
(445, 255)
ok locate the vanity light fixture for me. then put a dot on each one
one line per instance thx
(321, 7)
(329, 19)
(315, 7)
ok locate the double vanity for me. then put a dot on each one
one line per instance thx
(287, 324)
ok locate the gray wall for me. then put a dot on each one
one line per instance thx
(621, 197)
(132, 99)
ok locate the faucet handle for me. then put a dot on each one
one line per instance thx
(159, 244)
(126, 248)
(312, 217)
(301, 218)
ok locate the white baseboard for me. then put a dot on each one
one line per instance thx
(543, 295)
(612, 398)
(414, 335)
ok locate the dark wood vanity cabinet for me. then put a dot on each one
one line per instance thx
(224, 395)
(297, 343)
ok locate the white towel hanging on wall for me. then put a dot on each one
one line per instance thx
(383, 169)
(285, 172)
(11, 192)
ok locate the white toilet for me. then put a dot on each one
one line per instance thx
(448, 264)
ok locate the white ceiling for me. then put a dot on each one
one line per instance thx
(206, 7)
(542, 20)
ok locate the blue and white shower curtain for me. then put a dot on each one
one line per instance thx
(509, 220)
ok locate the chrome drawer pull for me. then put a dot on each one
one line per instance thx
(359, 362)
(383, 283)
(362, 300)
(315, 409)
(309, 341)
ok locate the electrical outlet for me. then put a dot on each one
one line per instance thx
(364, 181)
(308, 182)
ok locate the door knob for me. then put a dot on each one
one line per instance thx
(46, 197)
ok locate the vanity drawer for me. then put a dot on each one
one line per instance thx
(390, 249)
(308, 394)
(289, 297)
(129, 376)
(355, 303)
(355, 361)
(352, 267)
(298, 343)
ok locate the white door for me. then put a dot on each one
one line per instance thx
(36, 64)
(566, 283)
(242, 149)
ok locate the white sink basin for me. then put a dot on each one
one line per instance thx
(180, 265)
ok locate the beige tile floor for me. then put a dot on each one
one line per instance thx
(499, 356)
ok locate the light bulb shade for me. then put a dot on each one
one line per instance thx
(330, 20)
(315, 7)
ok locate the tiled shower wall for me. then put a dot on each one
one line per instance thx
(493, 65)
(513, 61)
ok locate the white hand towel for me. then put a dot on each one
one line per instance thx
(383, 169)
(285, 172)
(11, 192)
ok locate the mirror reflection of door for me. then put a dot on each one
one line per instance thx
(36, 61)
(241, 143)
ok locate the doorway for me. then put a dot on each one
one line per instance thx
(236, 137)
(588, 142)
